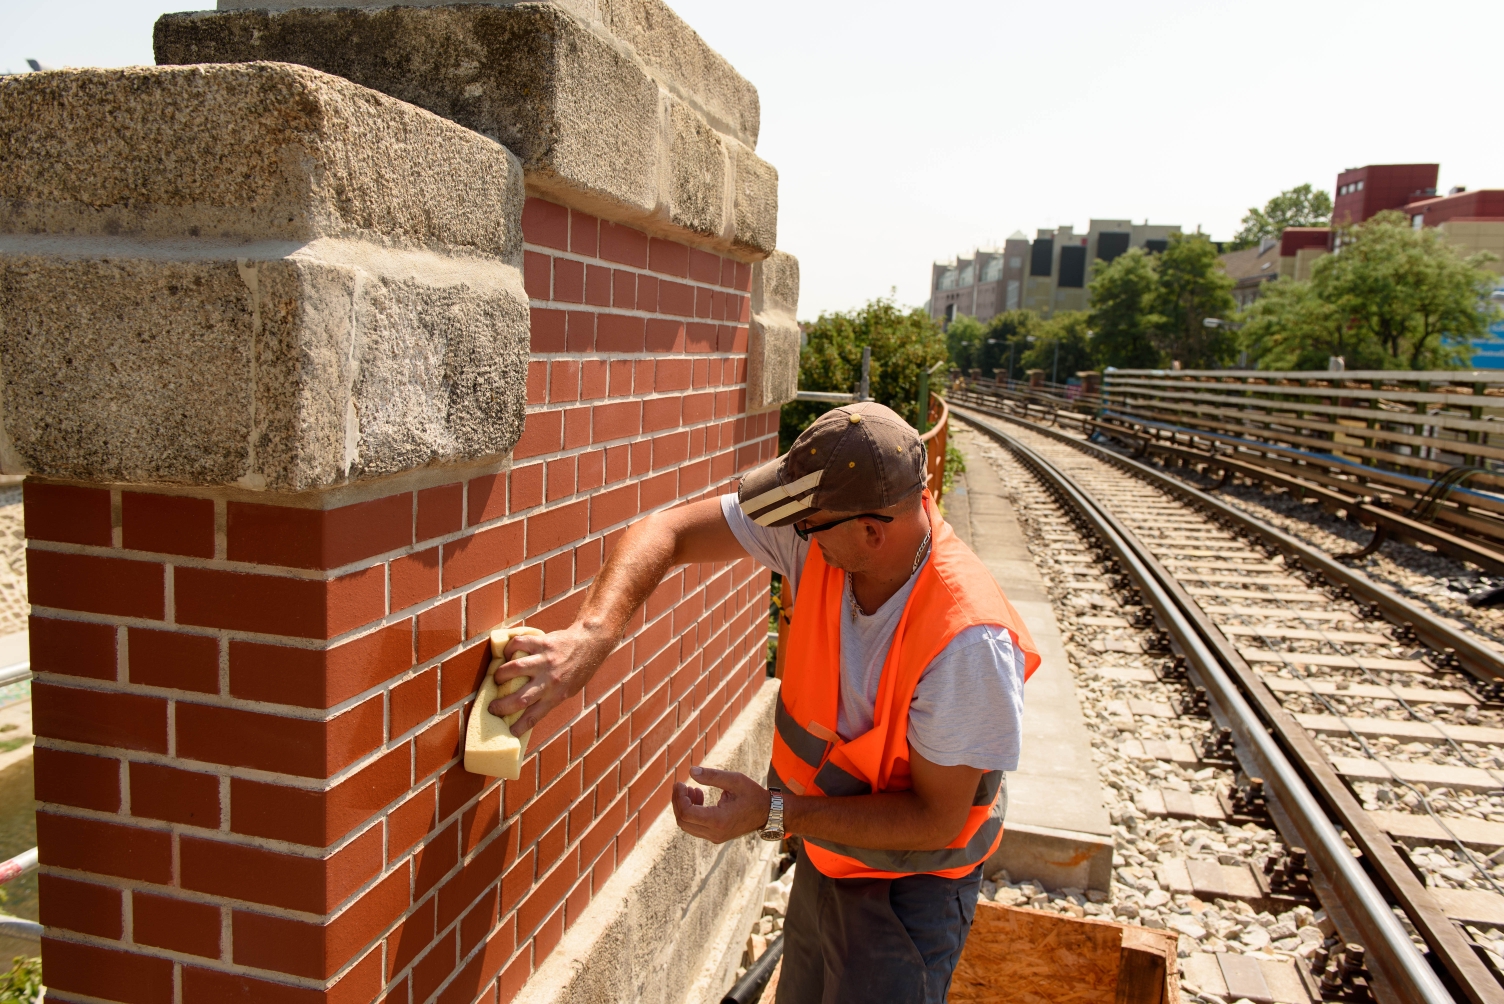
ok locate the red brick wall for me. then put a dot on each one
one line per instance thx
(249, 715)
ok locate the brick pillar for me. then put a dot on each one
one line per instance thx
(303, 421)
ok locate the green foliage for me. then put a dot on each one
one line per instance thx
(1069, 334)
(964, 337)
(1193, 286)
(955, 464)
(1394, 298)
(23, 984)
(1121, 295)
(904, 344)
(1300, 206)
(1015, 328)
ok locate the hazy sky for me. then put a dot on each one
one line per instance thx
(909, 132)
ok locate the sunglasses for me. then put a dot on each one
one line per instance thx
(805, 532)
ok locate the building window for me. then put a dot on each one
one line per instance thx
(950, 312)
(965, 279)
(1156, 246)
(993, 271)
(1012, 294)
(947, 279)
(1110, 244)
(1042, 257)
(1072, 267)
(1418, 220)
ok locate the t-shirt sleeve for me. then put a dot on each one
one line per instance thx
(777, 547)
(968, 707)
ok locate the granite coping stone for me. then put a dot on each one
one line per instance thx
(773, 337)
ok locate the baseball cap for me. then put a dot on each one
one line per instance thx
(854, 458)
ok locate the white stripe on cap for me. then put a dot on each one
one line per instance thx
(769, 518)
(781, 492)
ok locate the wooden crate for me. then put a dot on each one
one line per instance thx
(1027, 956)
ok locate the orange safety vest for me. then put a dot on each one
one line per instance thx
(954, 591)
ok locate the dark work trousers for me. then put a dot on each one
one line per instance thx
(864, 941)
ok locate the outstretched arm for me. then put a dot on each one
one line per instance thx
(925, 818)
(561, 662)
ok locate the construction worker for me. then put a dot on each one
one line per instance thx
(898, 714)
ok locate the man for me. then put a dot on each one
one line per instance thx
(898, 714)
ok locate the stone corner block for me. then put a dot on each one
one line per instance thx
(773, 342)
(221, 275)
(640, 123)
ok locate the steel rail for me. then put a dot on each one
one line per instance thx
(1396, 961)
(1471, 655)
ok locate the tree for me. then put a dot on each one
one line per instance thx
(1007, 338)
(1301, 206)
(1289, 327)
(1062, 348)
(1120, 311)
(964, 336)
(904, 344)
(1409, 290)
(1192, 286)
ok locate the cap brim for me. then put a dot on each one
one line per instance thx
(766, 501)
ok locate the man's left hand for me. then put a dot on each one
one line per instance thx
(743, 807)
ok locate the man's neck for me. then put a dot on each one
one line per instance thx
(876, 585)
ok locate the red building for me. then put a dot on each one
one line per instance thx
(1484, 204)
(1365, 191)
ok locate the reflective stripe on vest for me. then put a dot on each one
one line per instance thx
(952, 592)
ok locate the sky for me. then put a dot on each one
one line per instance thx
(908, 133)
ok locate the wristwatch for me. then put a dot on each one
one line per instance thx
(773, 828)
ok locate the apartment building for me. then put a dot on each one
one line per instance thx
(1048, 275)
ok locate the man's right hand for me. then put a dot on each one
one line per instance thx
(557, 665)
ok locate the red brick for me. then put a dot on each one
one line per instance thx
(619, 333)
(527, 487)
(668, 257)
(360, 985)
(487, 498)
(551, 845)
(660, 413)
(413, 702)
(659, 490)
(535, 275)
(584, 233)
(460, 675)
(480, 819)
(546, 224)
(563, 380)
(552, 803)
(624, 245)
(104, 848)
(304, 608)
(558, 574)
(89, 782)
(67, 513)
(676, 298)
(285, 745)
(704, 266)
(616, 421)
(320, 678)
(175, 924)
(547, 330)
(73, 648)
(413, 578)
(613, 506)
(647, 293)
(560, 478)
(435, 859)
(699, 337)
(319, 818)
(409, 939)
(436, 745)
(569, 281)
(672, 375)
(542, 433)
(524, 589)
(440, 511)
(580, 326)
(294, 881)
(106, 973)
(598, 286)
(127, 721)
(486, 607)
(642, 377)
(438, 629)
(664, 335)
(537, 382)
(167, 524)
(577, 427)
(477, 923)
(743, 277)
(483, 553)
(177, 661)
(553, 528)
(410, 822)
(621, 377)
(314, 950)
(80, 906)
(176, 796)
(318, 538)
(592, 470)
(698, 408)
(593, 376)
(95, 584)
(545, 897)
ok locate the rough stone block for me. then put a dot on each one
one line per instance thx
(773, 343)
(314, 283)
(650, 127)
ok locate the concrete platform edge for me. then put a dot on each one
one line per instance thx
(1060, 859)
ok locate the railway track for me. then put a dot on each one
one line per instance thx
(1292, 693)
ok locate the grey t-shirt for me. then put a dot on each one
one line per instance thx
(970, 699)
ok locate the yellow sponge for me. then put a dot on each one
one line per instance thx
(490, 747)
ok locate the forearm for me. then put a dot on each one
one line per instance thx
(896, 820)
(632, 571)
